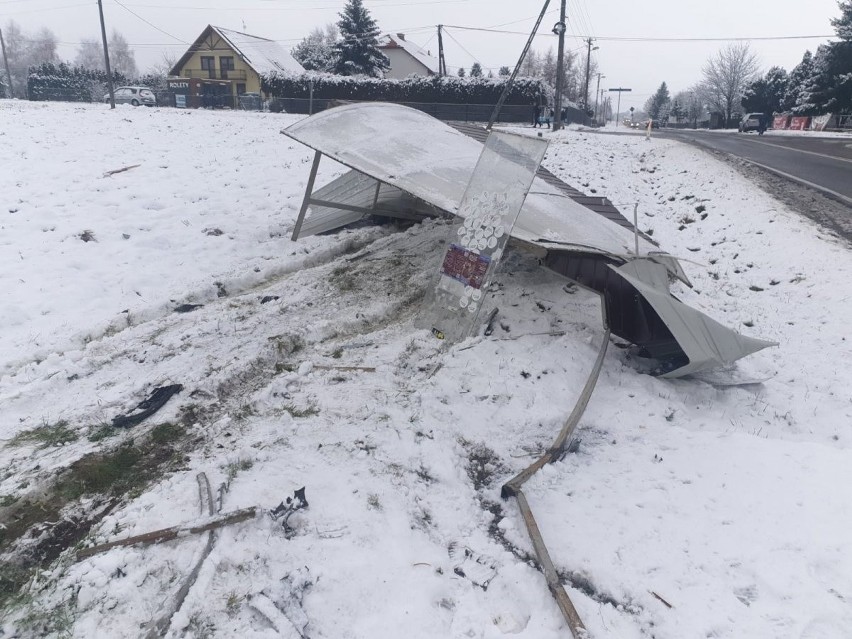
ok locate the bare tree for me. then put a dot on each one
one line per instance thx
(726, 76)
(90, 55)
(27, 50)
(121, 57)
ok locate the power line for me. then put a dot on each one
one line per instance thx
(651, 39)
(153, 26)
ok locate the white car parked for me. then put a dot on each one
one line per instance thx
(134, 95)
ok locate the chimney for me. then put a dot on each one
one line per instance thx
(401, 36)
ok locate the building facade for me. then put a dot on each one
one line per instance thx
(222, 65)
(406, 58)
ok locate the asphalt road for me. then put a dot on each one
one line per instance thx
(823, 162)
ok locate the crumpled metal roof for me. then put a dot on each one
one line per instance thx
(410, 150)
(405, 160)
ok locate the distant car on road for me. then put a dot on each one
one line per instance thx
(751, 122)
(134, 95)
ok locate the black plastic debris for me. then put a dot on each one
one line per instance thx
(285, 509)
(187, 308)
(147, 407)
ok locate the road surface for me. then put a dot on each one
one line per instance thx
(825, 163)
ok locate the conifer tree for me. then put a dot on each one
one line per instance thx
(476, 70)
(657, 105)
(357, 50)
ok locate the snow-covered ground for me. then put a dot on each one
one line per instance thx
(730, 503)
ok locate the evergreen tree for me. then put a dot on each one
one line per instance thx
(461, 72)
(505, 71)
(357, 51)
(657, 105)
(766, 94)
(843, 24)
(316, 51)
(796, 83)
(476, 70)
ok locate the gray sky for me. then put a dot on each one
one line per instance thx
(638, 65)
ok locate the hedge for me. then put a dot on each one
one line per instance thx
(69, 84)
(429, 89)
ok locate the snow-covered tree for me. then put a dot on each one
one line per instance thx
(316, 52)
(766, 94)
(796, 83)
(690, 106)
(843, 24)
(726, 75)
(476, 70)
(504, 71)
(90, 55)
(829, 87)
(121, 57)
(657, 105)
(357, 50)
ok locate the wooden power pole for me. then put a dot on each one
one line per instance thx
(442, 63)
(106, 57)
(559, 29)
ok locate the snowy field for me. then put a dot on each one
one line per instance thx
(691, 508)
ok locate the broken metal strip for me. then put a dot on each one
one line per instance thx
(306, 201)
(555, 451)
(513, 488)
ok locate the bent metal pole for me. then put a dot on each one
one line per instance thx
(511, 79)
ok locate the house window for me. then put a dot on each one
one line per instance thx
(208, 63)
(226, 64)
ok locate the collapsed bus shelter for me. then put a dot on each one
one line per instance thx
(407, 165)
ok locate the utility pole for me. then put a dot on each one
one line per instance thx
(6, 62)
(442, 63)
(559, 29)
(597, 93)
(619, 90)
(106, 57)
(588, 68)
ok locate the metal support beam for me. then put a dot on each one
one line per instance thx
(307, 200)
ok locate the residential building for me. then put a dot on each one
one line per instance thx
(223, 64)
(406, 58)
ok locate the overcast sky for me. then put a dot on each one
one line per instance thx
(641, 66)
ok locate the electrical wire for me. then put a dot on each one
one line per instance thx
(651, 39)
(153, 26)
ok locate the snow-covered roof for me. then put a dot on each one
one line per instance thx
(261, 54)
(389, 41)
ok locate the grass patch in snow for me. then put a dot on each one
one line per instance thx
(46, 435)
(295, 411)
(39, 527)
